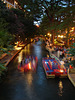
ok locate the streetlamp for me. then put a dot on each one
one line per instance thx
(49, 34)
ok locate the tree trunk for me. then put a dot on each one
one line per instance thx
(67, 38)
(53, 36)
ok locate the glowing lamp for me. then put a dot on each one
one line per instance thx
(37, 25)
(61, 71)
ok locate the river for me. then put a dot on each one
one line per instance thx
(34, 85)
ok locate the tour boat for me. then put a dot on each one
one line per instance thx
(28, 64)
(53, 68)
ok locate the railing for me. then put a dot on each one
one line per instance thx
(9, 5)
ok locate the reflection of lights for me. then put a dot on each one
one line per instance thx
(20, 57)
(17, 48)
(60, 84)
(60, 88)
(16, 42)
(30, 79)
(37, 50)
(27, 49)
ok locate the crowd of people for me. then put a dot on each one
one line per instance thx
(60, 51)
(28, 59)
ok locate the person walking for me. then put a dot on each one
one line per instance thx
(58, 53)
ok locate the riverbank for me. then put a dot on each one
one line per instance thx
(70, 72)
(71, 76)
(7, 58)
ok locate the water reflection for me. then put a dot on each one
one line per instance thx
(20, 57)
(29, 79)
(34, 86)
(60, 92)
(37, 51)
(27, 49)
(29, 85)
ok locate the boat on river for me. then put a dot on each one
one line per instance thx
(53, 68)
(28, 64)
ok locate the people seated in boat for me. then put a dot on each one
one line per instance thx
(27, 61)
(29, 58)
(21, 63)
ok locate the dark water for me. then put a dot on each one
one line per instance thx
(34, 85)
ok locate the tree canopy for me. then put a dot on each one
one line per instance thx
(72, 54)
(59, 13)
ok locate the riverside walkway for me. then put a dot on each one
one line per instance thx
(7, 58)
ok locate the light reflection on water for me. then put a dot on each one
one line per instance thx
(29, 79)
(29, 85)
(20, 57)
(60, 92)
(27, 49)
(37, 51)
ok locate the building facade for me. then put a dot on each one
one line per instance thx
(12, 4)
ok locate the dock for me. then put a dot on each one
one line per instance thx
(71, 76)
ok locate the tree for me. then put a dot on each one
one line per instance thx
(20, 25)
(50, 8)
(45, 7)
(44, 25)
(32, 9)
(67, 15)
(72, 54)
(5, 37)
(2, 5)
